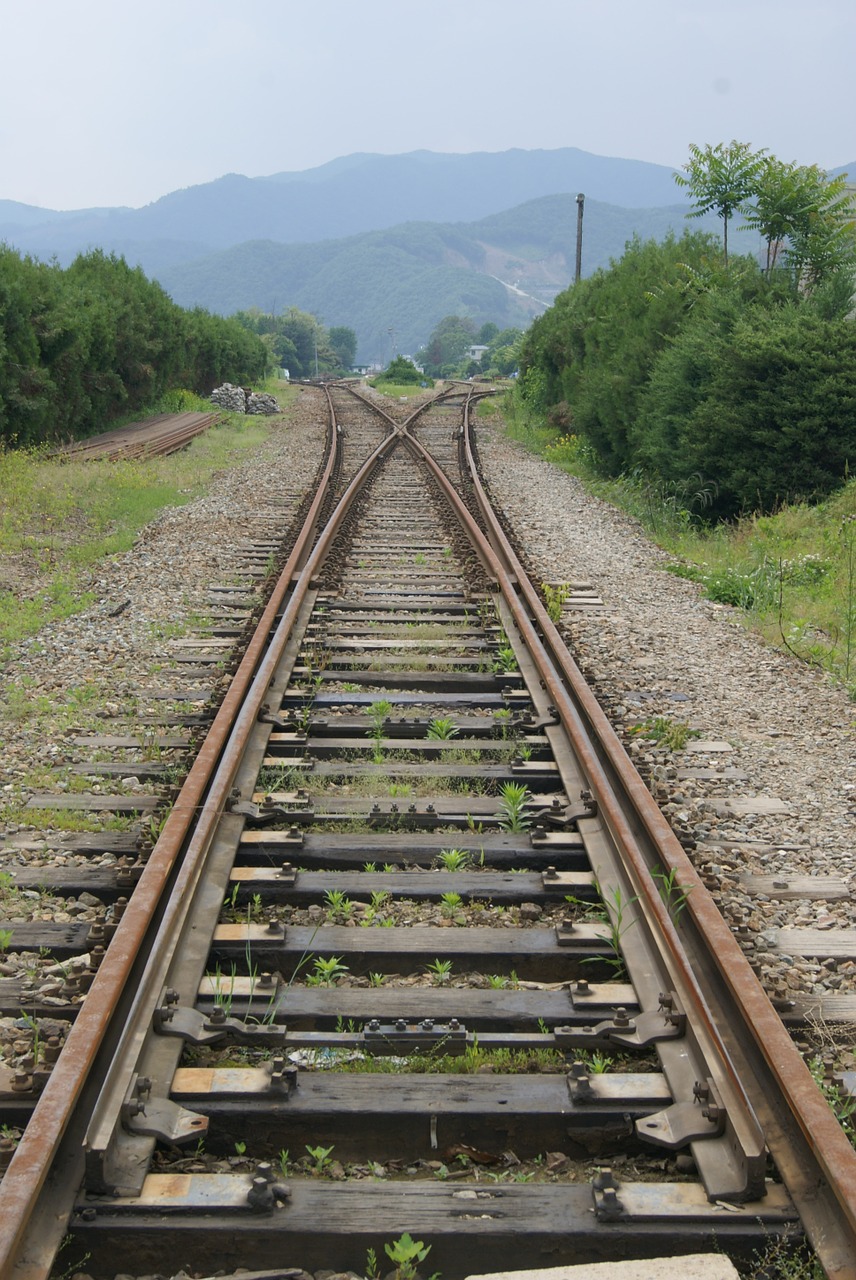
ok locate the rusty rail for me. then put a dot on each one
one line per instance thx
(31, 1162)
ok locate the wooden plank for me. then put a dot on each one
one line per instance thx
(96, 804)
(432, 885)
(496, 1008)
(471, 1229)
(531, 953)
(60, 940)
(381, 1117)
(787, 886)
(837, 943)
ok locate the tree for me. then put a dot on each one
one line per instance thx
(720, 178)
(591, 354)
(400, 370)
(804, 215)
(343, 342)
(447, 345)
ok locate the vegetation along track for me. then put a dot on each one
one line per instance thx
(415, 952)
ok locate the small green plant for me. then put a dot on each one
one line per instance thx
(441, 729)
(673, 894)
(284, 1162)
(498, 981)
(240, 1148)
(378, 711)
(339, 906)
(617, 924)
(326, 971)
(406, 1253)
(321, 1157)
(372, 1268)
(513, 798)
(503, 719)
(453, 859)
(673, 734)
(554, 598)
(440, 971)
(5, 939)
(376, 979)
(450, 903)
(505, 661)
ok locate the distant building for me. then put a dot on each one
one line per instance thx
(476, 352)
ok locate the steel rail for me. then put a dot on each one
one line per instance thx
(622, 831)
(826, 1197)
(29, 1167)
(139, 1022)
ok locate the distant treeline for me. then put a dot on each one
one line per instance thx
(84, 346)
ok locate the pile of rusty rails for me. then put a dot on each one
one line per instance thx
(411, 843)
(161, 434)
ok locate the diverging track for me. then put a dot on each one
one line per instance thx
(416, 952)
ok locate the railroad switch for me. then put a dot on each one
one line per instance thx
(632, 1032)
(685, 1122)
(198, 1028)
(152, 1116)
(451, 1035)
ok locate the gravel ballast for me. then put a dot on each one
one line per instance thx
(659, 648)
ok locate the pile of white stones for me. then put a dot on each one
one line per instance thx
(236, 400)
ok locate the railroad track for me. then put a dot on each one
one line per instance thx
(164, 433)
(415, 952)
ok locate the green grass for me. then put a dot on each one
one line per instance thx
(395, 390)
(58, 518)
(792, 574)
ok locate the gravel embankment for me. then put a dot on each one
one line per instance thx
(99, 666)
(658, 648)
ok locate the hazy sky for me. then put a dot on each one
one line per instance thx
(103, 102)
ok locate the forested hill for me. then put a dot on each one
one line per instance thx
(505, 268)
(353, 194)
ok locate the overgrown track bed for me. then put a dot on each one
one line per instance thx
(428, 960)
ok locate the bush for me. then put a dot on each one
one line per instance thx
(758, 400)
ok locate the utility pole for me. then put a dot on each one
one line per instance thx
(580, 202)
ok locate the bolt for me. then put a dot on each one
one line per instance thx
(274, 926)
(582, 988)
(551, 874)
(53, 1047)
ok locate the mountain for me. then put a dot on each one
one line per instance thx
(506, 268)
(353, 194)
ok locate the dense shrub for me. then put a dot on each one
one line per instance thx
(596, 345)
(759, 401)
(82, 347)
